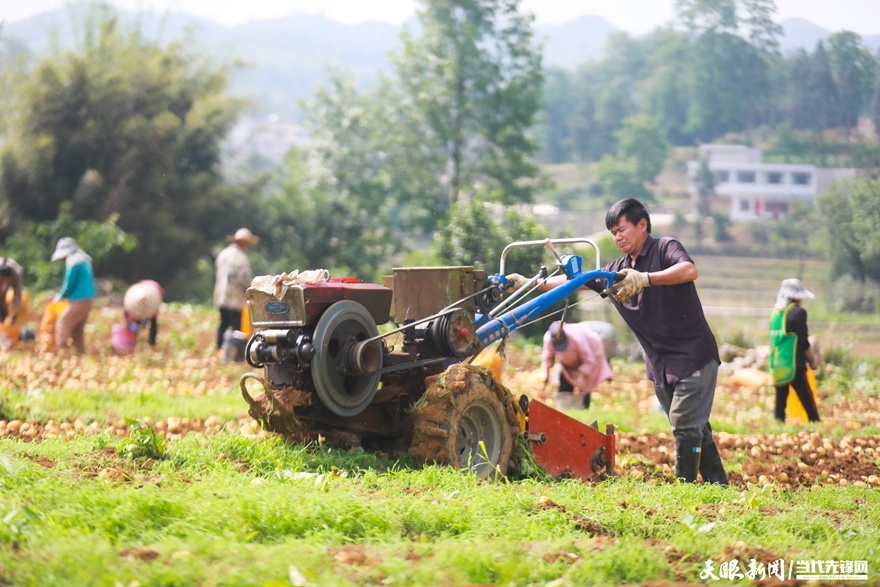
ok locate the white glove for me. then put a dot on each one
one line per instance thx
(630, 285)
(516, 280)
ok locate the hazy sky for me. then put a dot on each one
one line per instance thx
(633, 16)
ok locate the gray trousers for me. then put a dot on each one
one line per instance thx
(688, 404)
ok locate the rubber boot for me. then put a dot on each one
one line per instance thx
(687, 460)
(711, 467)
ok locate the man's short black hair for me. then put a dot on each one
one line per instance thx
(631, 209)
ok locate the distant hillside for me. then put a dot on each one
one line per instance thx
(287, 57)
(799, 33)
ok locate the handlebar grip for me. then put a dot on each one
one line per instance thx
(619, 276)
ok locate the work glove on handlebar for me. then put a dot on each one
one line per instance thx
(630, 285)
(516, 281)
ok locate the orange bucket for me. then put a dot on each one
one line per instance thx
(9, 336)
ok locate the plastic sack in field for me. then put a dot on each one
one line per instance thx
(276, 285)
(246, 326)
(123, 337)
(793, 406)
(46, 334)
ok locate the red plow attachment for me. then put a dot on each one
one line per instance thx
(566, 447)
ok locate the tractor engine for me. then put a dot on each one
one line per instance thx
(322, 338)
(285, 323)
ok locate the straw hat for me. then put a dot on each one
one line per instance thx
(792, 289)
(143, 300)
(244, 235)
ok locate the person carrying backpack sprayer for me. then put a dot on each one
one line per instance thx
(790, 351)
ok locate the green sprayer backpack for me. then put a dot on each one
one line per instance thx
(783, 346)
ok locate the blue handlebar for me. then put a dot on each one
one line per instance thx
(499, 326)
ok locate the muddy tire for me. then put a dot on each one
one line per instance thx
(465, 419)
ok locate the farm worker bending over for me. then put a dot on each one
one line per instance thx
(233, 278)
(581, 354)
(790, 350)
(658, 300)
(78, 289)
(141, 304)
(13, 298)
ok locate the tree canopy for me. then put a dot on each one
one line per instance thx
(451, 124)
(474, 74)
(122, 125)
(716, 72)
(852, 212)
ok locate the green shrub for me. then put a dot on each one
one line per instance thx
(852, 295)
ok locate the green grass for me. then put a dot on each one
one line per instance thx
(102, 406)
(194, 518)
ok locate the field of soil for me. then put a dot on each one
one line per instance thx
(842, 450)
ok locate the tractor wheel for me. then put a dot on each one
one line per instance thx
(465, 419)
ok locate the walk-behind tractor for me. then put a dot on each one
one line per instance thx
(329, 372)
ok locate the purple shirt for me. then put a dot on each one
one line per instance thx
(667, 320)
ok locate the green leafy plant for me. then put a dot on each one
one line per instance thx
(527, 466)
(19, 523)
(142, 441)
(5, 409)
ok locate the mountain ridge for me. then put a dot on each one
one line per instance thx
(288, 55)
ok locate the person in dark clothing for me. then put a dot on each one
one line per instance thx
(789, 321)
(658, 300)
